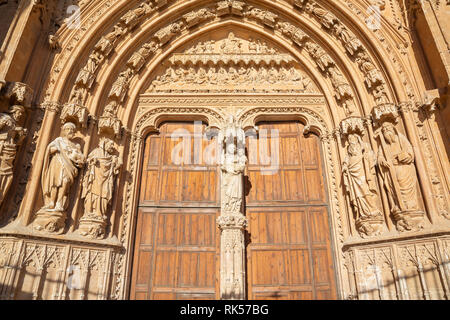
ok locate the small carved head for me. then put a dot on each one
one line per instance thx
(388, 130)
(17, 112)
(107, 145)
(354, 144)
(68, 130)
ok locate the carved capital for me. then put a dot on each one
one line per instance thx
(51, 106)
(234, 221)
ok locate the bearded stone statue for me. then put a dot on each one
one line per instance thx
(62, 161)
(360, 184)
(396, 161)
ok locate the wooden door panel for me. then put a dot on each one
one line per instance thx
(176, 247)
(289, 255)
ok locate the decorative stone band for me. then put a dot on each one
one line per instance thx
(234, 221)
(234, 58)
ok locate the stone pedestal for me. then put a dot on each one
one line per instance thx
(411, 220)
(370, 227)
(50, 221)
(93, 226)
(232, 256)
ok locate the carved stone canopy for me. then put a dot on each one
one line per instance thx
(352, 125)
(385, 112)
(232, 64)
(16, 93)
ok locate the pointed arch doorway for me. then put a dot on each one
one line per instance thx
(288, 249)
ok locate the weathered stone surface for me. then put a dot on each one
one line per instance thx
(97, 86)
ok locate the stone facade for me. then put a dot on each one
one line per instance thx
(83, 82)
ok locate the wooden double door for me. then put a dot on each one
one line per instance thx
(176, 250)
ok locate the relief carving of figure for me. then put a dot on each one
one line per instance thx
(233, 165)
(231, 45)
(296, 34)
(340, 84)
(87, 74)
(105, 45)
(167, 33)
(351, 43)
(322, 59)
(138, 58)
(326, 18)
(131, 18)
(396, 161)
(360, 185)
(11, 136)
(120, 86)
(62, 161)
(98, 186)
(372, 74)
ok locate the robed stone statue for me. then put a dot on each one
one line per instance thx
(396, 161)
(98, 186)
(360, 184)
(11, 136)
(62, 161)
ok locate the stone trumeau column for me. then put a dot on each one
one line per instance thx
(232, 222)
